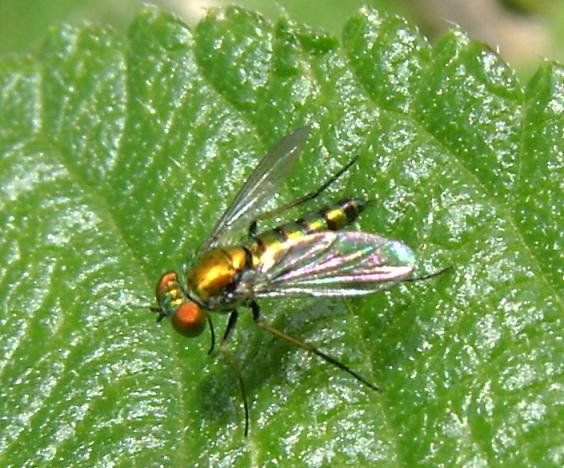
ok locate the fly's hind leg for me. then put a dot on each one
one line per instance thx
(233, 364)
(299, 201)
(300, 344)
(429, 275)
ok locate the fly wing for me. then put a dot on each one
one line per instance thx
(335, 264)
(265, 180)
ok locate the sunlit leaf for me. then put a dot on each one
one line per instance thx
(117, 154)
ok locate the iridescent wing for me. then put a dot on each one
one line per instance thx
(265, 181)
(332, 263)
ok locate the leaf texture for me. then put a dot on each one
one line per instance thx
(118, 154)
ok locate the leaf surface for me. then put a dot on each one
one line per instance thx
(118, 154)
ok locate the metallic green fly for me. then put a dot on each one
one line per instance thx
(311, 256)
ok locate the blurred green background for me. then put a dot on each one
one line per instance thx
(524, 31)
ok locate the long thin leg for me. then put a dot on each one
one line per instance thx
(331, 360)
(233, 364)
(430, 275)
(307, 197)
(230, 326)
(212, 335)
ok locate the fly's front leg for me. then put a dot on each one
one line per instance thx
(300, 344)
(230, 326)
(297, 202)
(233, 364)
(212, 335)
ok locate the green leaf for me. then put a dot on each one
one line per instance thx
(118, 155)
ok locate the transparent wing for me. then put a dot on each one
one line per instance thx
(335, 264)
(265, 180)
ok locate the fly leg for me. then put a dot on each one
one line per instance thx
(299, 201)
(212, 335)
(429, 275)
(300, 344)
(233, 364)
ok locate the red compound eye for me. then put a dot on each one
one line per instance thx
(166, 283)
(189, 319)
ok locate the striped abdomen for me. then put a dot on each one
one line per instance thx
(267, 246)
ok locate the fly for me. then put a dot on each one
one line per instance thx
(308, 257)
